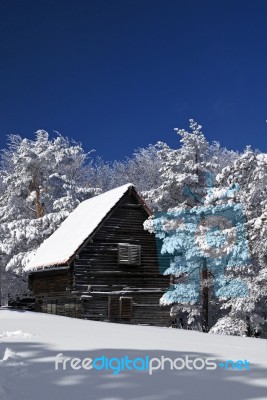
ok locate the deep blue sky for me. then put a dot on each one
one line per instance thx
(120, 74)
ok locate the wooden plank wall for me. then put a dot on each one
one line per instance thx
(146, 309)
(97, 270)
(50, 282)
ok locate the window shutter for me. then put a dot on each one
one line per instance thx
(129, 254)
(113, 307)
(126, 306)
(54, 308)
(49, 308)
(135, 254)
(124, 253)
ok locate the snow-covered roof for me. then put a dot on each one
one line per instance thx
(75, 229)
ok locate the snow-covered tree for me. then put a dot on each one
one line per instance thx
(187, 172)
(188, 178)
(142, 169)
(42, 180)
(249, 172)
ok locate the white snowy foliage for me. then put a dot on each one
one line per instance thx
(42, 180)
(188, 185)
(186, 171)
(142, 169)
(249, 172)
(230, 326)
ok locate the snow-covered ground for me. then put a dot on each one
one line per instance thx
(29, 343)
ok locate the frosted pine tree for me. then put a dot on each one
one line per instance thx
(247, 316)
(42, 180)
(188, 177)
(142, 169)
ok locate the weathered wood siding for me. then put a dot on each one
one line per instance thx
(56, 281)
(97, 271)
(145, 309)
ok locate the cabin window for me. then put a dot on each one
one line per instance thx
(129, 254)
(54, 308)
(51, 307)
(71, 308)
(120, 307)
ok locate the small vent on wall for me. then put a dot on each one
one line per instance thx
(129, 254)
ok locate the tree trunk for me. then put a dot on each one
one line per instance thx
(205, 297)
(0, 284)
(249, 330)
(39, 208)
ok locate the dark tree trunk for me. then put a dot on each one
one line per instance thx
(205, 297)
(249, 331)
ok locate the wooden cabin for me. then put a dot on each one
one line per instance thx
(101, 264)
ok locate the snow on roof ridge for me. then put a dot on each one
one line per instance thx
(58, 248)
